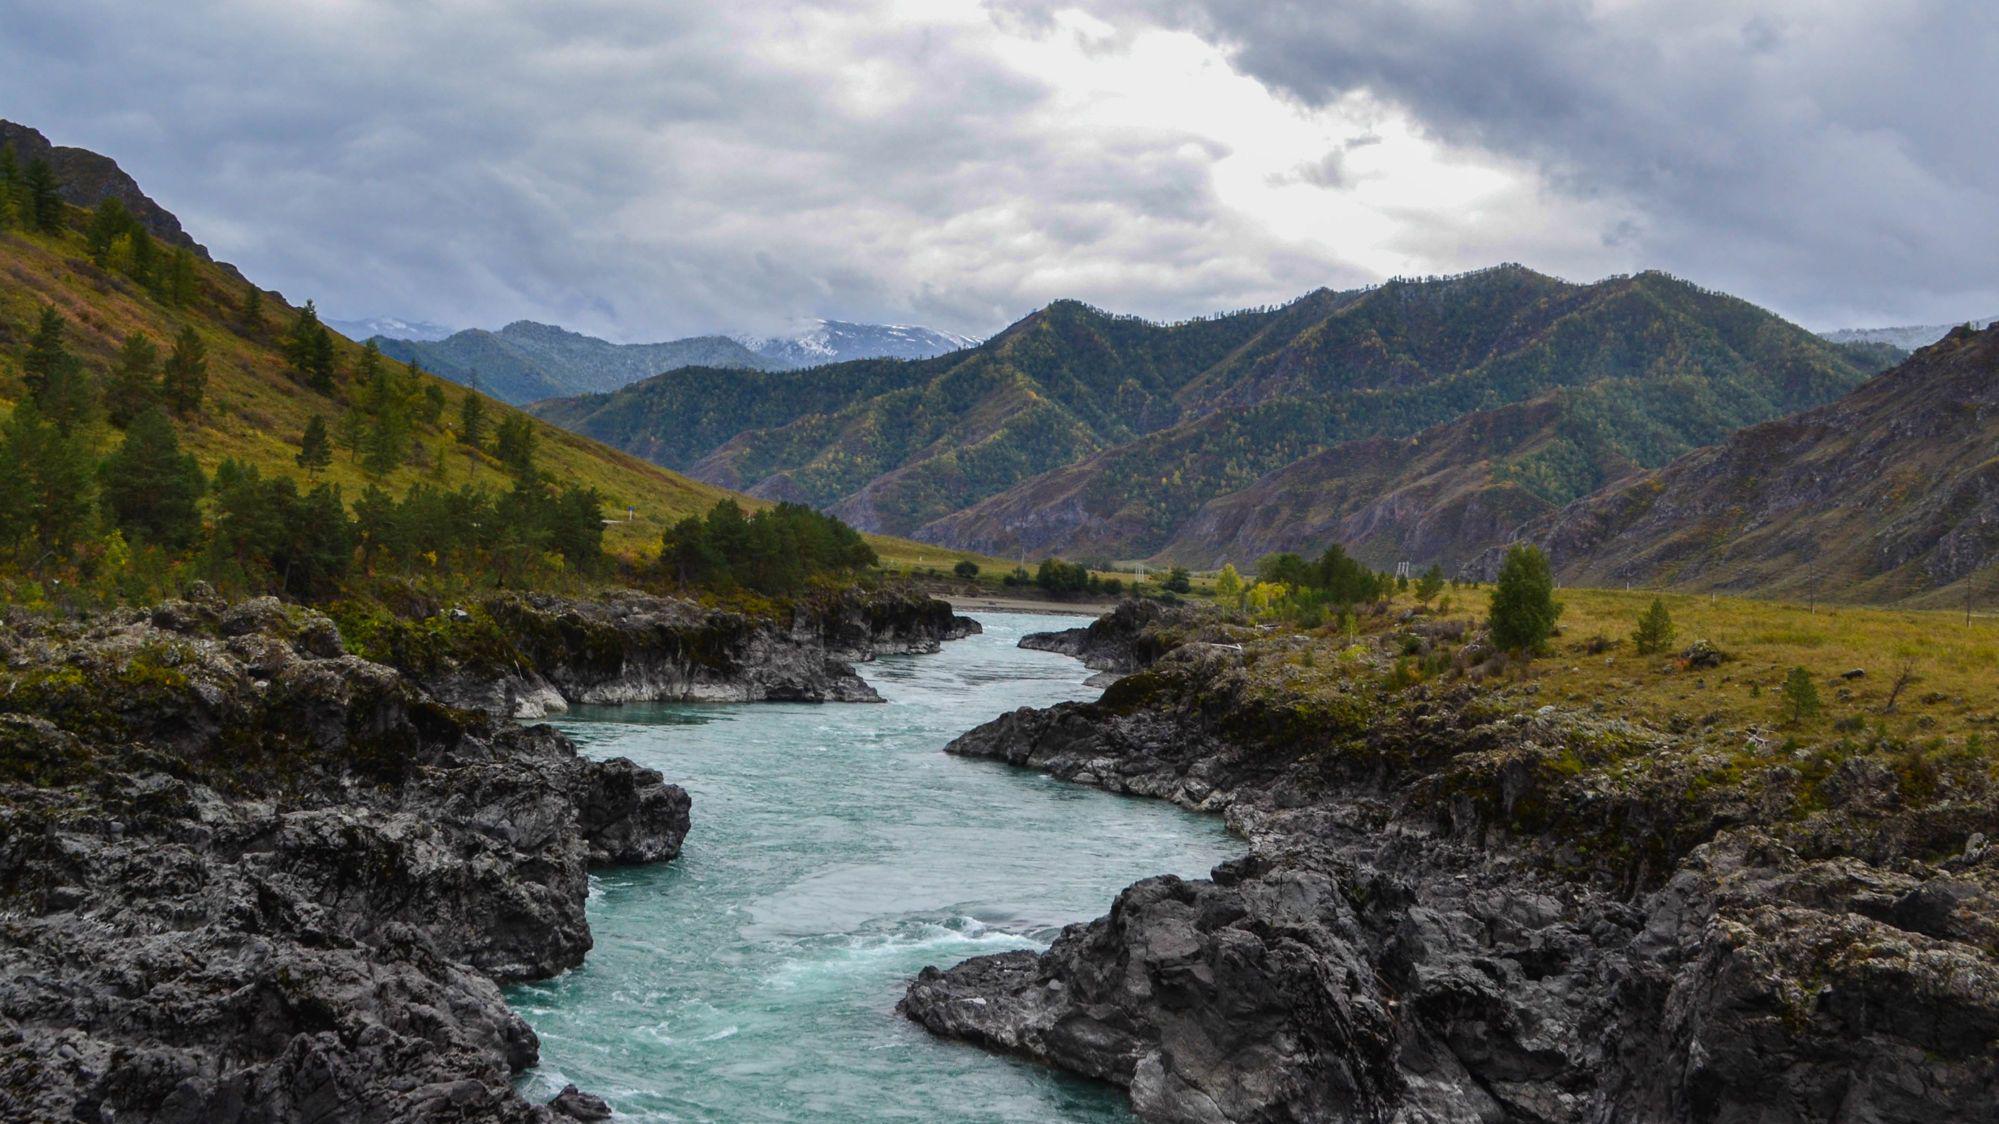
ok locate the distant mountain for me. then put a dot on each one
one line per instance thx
(1909, 338)
(1092, 435)
(1890, 493)
(390, 327)
(525, 361)
(836, 341)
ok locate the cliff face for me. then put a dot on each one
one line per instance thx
(246, 876)
(88, 178)
(1460, 906)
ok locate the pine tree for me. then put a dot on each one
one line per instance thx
(315, 450)
(151, 488)
(134, 387)
(47, 358)
(472, 420)
(185, 378)
(178, 287)
(10, 187)
(253, 310)
(514, 443)
(1524, 609)
(309, 351)
(144, 265)
(45, 486)
(44, 197)
(1430, 584)
(1655, 629)
(353, 431)
(108, 223)
(1801, 695)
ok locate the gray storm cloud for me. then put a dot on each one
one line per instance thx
(641, 169)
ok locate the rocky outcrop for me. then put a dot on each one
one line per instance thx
(1459, 907)
(246, 876)
(1129, 637)
(85, 178)
(531, 655)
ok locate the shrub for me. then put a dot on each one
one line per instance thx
(966, 569)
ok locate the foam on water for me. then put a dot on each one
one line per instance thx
(835, 852)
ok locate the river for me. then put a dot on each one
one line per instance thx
(836, 851)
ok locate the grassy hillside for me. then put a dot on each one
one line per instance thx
(255, 412)
(1888, 494)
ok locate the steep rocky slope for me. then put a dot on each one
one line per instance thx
(246, 876)
(87, 178)
(1461, 905)
(1890, 493)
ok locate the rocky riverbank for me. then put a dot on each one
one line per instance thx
(247, 876)
(1462, 905)
(531, 655)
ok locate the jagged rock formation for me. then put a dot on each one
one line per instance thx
(1128, 637)
(1890, 493)
(541, 654)
(1461, 907)
(87, 178)
(246, 876)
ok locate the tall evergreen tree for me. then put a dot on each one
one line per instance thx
(144, 264)
(45, 487)
(1524, 608)
(513, 444)
(44, 197)
(150, 487)
(185, 377)
(472, 420)
(134, 386)
(10, 187)
(108, 223)
(47, 357)
(309, 350)
(315, 450)
(353, 431)
(178, 287)
(253, 310)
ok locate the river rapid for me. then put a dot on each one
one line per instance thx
(836, 851)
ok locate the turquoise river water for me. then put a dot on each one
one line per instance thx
(836, 851)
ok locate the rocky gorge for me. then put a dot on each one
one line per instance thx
(1463, 905)
(248, 875)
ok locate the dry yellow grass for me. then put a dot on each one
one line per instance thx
(1953, 690)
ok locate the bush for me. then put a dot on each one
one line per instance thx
(966, 569)
(1524, 609)
(1655, 629)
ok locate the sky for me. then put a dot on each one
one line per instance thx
(641, 169)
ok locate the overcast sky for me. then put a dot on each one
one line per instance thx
(643, 169)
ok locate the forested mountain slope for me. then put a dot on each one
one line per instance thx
(1081, 433)
(1888, 494)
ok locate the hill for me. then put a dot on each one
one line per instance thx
(1890, 493)
(1082, 433)
(525, 361)
(255, 407)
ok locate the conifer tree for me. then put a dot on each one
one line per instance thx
(108, 223)
(144, 265)
(1524, 609)
(472, 420)
(253, 310)
(151, 488)
(315, 450)
(309, 350)
(185, 378)
(47, 358)
(1801, 695)
(134, 386)
(513, 444)
(1655, 629)
(1430, 584)
(44, 197)
(45, 487)
(10, 187)
(178, 287)
(353, 431)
